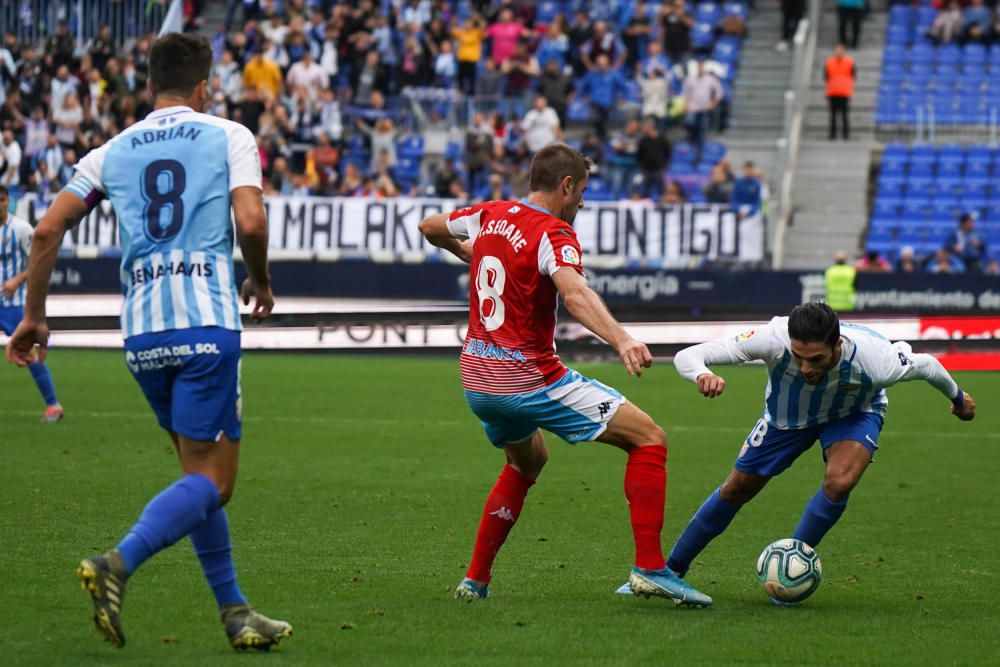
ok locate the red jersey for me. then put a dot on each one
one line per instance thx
(510, 346)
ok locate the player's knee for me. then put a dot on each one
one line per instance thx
(837, 485)
(533, 467)
(737, 491)
(650, 435)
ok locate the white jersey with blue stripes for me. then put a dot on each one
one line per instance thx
(169, 179)
(15, 248)
(868, 364)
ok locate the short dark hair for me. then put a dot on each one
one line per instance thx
(4, 192)
(814, 323)
(178, 62)
(554, 163)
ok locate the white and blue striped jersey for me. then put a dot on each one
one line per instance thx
(868, 364)
(15, 247)
(169, 179)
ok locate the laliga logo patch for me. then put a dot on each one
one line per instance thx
(570, 255)
(746, 335)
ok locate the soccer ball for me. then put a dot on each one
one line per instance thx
(789, 570)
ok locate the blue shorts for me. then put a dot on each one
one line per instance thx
(10, 317)
(574, 407)
(191, 378)
(768, 451)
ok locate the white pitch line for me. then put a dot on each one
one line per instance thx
(70, 415)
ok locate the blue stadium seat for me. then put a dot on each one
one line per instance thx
(901, 14)
(977, 167)
(925, 15)
(547, 10)
(977, 186)
(893, 166)
(891, 186)
(894, 54)
(948, 53)
(411, 146)
(736, 9)
(921, 54)
(897, 34)
(921, 169)
(916, 208)
(598, 190)
(886, 206)
(949, 187)
(708, 12)
(702, 36)
(713, 151)
(971, 68)
(974, 53)
(992, 211)
(974, 204)
(682, 152)
(945, 207)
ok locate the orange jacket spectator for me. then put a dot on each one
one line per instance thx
(262, 72)
(839, 76)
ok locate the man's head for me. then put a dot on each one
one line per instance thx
(814, 330)
(552, 67)
(749, 169)
(561, 174)
(649, 127)
(840, 257)
(838, 50)
(600, 29)
(967, 222)
(179, 65)
(540, 102)
(603, 62)
(4, 203)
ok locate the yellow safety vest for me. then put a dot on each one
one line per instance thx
(840, 286)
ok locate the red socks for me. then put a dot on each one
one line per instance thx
(646, 492)
(502, 509)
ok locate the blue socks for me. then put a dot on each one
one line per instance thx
(40, 373)
(709, 521)
(820, 515)
(211, 543)
(173, 513)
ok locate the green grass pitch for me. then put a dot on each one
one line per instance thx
(362, 481)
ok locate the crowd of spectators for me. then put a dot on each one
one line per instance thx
(370, 98)
(963, 251)
(969, 21)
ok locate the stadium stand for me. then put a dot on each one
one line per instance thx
(924, 190)
(381, 98)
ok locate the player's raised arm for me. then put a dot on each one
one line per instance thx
(587, 307)
(251, 231)
(65, 212)
(692, 362)
(451, 231)
(902, 365)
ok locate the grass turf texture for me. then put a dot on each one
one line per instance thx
(362, 482)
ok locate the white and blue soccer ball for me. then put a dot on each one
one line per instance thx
(789, 570)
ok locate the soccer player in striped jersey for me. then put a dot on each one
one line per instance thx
(524, 255)
(15, 248)
(174, 180)
(826, 382)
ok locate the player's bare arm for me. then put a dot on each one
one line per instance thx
(435, 229)
(251, 230)
(65, 213)
(9, 288)
(589, 309)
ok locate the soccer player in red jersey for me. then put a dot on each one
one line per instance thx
(524, 255)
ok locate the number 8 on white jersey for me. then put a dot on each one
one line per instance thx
(490, 281)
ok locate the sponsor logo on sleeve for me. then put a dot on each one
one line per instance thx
(746, 335)
(570, 255)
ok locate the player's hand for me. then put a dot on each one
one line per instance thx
(263, 300)
(22, 344)
(710, 385)
(968, 410)
(635, 356)
(9, 288)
